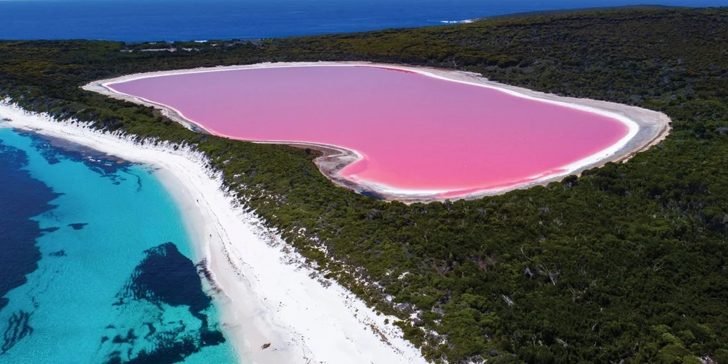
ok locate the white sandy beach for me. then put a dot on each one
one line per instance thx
(645, 127)
(265, 294)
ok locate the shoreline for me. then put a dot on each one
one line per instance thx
(646, 129)
(265, 292)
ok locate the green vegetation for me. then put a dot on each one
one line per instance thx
(628, 262)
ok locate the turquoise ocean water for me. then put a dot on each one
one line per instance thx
(107, 273)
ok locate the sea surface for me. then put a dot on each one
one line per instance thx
(166, 20)
(96, 265)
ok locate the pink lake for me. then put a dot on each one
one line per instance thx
(413, 132)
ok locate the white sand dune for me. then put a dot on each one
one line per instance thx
(265, 293)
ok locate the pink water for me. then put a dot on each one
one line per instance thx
(414, 132)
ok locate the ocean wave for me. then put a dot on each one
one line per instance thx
(464, 21)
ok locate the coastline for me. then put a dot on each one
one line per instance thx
(265, 291)
(646, 129)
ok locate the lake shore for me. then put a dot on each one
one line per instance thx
(645, 129)
(274, 307)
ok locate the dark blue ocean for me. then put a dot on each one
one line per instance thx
(160, 20)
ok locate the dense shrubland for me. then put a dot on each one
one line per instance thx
(627, 262)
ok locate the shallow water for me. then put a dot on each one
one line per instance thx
(104, 270)
(414, 132)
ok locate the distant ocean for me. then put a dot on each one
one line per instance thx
(166, 20)
(96, 265)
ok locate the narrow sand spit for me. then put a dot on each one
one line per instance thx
(646, 128)
(265, 293)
